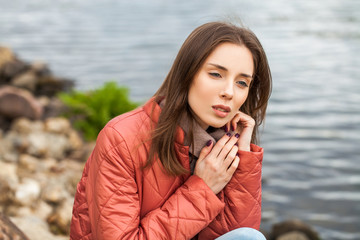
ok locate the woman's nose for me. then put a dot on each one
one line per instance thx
(227, 91)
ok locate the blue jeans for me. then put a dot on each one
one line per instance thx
(242, 234)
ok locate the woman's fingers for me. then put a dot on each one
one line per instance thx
(228, 146)
(220, 144)
(206, 150)
(230, 157)
(244, 120)
(234, 165)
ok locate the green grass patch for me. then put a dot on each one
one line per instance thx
(90, 111)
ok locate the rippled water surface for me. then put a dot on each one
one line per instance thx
(312, 134)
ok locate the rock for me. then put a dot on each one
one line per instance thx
(40, 69)
(54, 192)
(293, 228)
(62, 216)
(42, 144)
(35, 228)
(26, 80)
(6, 55)
(28, 163)
(8, 230)
(75, 141)
(10, 66)
(10, 70)
(46, 165)
(57, 125)
(4, 123)
(295, 235)
(8, 182)
(53, 107)
(50, 86)
(25, 126)
(43, 210)
(12, 145)
(15, 102)
(27, 192)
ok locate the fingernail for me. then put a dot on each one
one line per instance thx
(228, 134)
(237, 135)
(208, 143)
(232, 128)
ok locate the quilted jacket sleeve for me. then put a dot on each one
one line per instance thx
(114, 209)
(242, 197)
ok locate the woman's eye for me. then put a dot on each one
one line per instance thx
(242, 83)
(214, 74)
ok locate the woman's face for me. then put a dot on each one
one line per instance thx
(221, 85)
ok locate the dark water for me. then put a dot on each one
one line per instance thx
(312, 132)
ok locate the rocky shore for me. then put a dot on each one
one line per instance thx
(42, 156)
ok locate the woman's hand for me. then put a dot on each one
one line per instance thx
(244, 125)
(217, 164)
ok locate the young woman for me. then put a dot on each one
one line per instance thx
(184, 165)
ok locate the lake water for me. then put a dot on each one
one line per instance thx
(312, 133)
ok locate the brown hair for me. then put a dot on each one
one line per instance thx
(193, 53)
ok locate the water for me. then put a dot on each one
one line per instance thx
(312, 134)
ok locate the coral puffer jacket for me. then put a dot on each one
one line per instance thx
(116, 199)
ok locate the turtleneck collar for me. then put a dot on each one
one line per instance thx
(201, 136)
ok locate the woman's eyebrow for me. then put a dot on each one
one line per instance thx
(225, 69)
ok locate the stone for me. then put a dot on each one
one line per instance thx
(295, 227)
(16, 102)
(28, 163)
(8, 178)
(27, 192)
(62, 216)
(76, 142)
(295, 235)
(25, 126)
(54, 192)
(50, 86)
(6, 55)
(12, 145)
(47, 164)
(26, 80)
(42, 144)
(43, 210)
(10, 70)
(35, 228)
(8, 229)
(57, 125)
(40, 69)
(53, 107)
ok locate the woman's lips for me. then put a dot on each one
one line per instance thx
(221, 110)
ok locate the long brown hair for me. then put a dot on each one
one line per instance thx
(193, 53)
